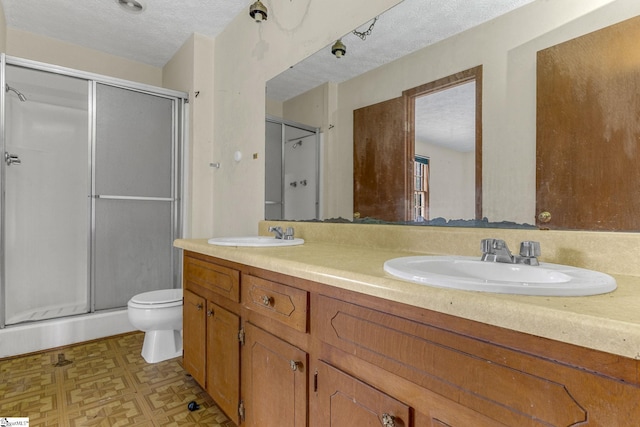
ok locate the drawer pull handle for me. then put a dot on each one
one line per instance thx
(210, 312)
(388, 420)
(295, 365)
(199, 307)
(267, 300)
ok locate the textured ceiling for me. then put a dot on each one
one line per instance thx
(153, 37)
(403, 29)
(447, 118)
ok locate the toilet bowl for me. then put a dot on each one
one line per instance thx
(159, 315)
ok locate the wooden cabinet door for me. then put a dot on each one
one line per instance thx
(274, 381)
(382, 162)
(588, 131)
(223, 359)
(345, 401)
(194, 336)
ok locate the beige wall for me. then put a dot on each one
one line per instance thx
(3, 31)
(274, 108)
(31, 46)
(248, 54)
(451, 181)
(190, 70)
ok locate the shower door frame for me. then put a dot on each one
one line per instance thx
(179, 137)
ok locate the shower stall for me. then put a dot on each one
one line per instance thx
(292, 165)
(90, 193)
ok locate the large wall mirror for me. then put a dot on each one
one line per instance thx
(506, 48)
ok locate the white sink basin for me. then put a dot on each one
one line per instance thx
(254, 242)
(469, 273)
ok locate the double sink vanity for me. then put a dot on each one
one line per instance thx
(324, 333)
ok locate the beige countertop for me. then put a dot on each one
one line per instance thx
(608, 322)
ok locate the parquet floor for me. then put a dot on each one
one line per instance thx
(103, 383)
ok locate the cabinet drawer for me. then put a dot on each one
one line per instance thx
(221, 280)
(276, 301)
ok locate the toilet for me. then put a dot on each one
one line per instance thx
(159, 315)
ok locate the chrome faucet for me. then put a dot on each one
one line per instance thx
(278, 232)
(286, 235)
(496, 250)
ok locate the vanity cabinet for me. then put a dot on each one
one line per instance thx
(316, 355)
(230, 317)
(455, 372)
(211, 327)
(274, 370)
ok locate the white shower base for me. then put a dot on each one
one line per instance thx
(42, 335)
(46, 313)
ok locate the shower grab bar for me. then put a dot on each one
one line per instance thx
(155, 199)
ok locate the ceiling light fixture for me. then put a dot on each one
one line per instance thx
(134, 6)
(258, 11)
(339, 49)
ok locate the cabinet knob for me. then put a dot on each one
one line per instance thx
(210, 312)
(267, 300)
(199, 307)
(388, 420)
(295, 365)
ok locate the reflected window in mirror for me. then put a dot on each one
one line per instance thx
(421, 188)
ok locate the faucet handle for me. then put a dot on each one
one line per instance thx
(529, 248)
(487, 245)
(288, 235)
(491, 245)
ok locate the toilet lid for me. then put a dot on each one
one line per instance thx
(162, 296)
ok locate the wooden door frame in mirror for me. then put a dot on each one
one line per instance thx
(410, 95)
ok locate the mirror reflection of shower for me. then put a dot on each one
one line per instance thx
(21, 97)
(292, 171)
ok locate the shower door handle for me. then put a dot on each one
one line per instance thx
(11, 159)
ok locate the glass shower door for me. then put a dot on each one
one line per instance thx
(134, 194)
(46, 204)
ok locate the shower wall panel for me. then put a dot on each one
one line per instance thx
(46, 203)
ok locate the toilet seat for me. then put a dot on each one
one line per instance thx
(160, 298)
